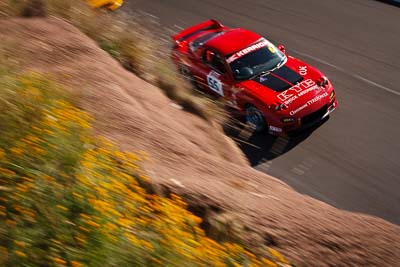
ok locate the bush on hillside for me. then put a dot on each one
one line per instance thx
(70, 199)
(129, 42)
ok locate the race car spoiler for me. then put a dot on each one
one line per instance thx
(203, 26)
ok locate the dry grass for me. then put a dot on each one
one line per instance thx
(133, 45)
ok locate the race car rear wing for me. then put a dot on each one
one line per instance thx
(191, 31)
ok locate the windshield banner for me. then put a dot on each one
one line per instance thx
(247, 50)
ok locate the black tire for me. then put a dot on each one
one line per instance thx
(187, 74)
(185, 71)
(255, 118)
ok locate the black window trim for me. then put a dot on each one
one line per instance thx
(223, 61)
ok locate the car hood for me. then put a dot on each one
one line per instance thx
(293, 84)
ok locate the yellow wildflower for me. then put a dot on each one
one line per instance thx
(124, 222)
(81, 240)
(17, 151)
(132, 239)
(6, 172)
(2, 154)
(84, 229)
(268, 263)
(76, 264)
(39, 150)
(11, 223)
(277, 255)
(62, 207)
(27, 179)
(59, 261)
(49, 132)
(111, 227)
(147, 245)
(30, 139)
(156, 260)
(85, 216)
(92, 223)
(23, 188)
(20, 253)
(34, 93)
(48, 178)
(28, 213)
(37, 129)
(20, 243)
(77, 195)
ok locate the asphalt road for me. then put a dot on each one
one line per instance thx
(352, 161)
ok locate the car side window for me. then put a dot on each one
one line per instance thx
(214, 60)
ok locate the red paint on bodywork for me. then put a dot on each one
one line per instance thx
(307, 99)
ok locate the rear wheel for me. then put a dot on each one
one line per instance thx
(255, 118)
(187, 74)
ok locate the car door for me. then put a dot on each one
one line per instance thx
(213, 75)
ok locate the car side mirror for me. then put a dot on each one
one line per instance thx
(282, 48)
(243, 73)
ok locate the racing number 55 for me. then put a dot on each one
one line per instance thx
(214, 83)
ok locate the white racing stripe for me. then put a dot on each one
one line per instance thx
(356, 76)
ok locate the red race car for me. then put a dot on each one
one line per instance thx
(275, 91)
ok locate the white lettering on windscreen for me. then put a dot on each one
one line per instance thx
(248, 50)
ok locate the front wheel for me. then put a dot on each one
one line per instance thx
(255, 118)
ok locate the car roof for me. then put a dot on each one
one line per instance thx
(233, 40)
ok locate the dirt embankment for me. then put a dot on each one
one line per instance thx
(191, 157)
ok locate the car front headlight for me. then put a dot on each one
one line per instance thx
(323, 82)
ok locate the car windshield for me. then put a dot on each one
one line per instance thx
(257, 62)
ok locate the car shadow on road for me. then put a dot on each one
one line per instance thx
(261, 147)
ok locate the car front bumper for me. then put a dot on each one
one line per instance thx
(304, 122)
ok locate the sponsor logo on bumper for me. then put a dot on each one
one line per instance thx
(275, 129)
(308, 103)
